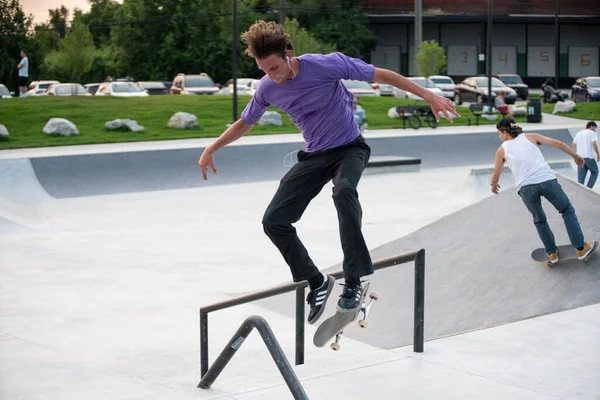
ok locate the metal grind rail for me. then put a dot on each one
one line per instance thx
(255, 321)
(417, 256)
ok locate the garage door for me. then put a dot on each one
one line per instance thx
(386, 57)
(462, 60)
(504, 60)
(583, 61)
(540, 61)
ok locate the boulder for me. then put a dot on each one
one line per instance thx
(183, 120)
(124, 124)
(271, 118)
(60, 126)
(566, 106)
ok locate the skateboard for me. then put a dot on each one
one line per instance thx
(334, 326)
(565, 252)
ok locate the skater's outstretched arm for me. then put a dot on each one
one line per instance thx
(238, 129)
(438, 103)
(542, 140)
(498, 166)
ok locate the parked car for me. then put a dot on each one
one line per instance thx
(121, 89)
(586, 89)
(446, 84)
(154, 87)
(5, 93)
(92, 88)
(244, 86)
(168, 84)
(254, 86)
(66, 89)
(359, 88)
(475, 89)
(38, 88)
(383, 88)
(515, 82)
(194, 84)
(421, 81)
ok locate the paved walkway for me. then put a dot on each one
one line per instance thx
(100, 299)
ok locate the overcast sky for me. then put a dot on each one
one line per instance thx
(39, 8)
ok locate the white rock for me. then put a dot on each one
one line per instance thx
(183, 120)
(271, 118)
(124, 123)
(564, 106)
(3, 132)
(60, 126)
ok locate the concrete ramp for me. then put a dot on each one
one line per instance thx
(479, 272)
(21, 197)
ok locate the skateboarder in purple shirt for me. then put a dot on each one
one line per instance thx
(309, 90)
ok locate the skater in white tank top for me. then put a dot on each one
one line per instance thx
(534, 178)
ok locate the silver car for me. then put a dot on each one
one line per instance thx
(446, 84)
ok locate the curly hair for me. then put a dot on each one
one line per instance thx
(266, 38)
(510, 126)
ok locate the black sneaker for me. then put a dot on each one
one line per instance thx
(317, 299)
(350, 298)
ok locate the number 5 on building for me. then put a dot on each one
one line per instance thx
(505, 59)
(544, 56)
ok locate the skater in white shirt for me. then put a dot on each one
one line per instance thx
(534, 178)
(586, 145)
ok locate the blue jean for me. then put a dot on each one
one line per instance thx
(590, 165)
(553, 192)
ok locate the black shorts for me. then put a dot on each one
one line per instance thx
(22, 81)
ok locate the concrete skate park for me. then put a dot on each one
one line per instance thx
(108, 252)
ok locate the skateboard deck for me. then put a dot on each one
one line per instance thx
(334, 325)
(566, 252)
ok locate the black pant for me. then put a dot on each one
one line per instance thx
(344, 165)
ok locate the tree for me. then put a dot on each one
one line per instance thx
(430, 59)
(75, 55)
(303, 41)
(14, 27)
(340, 22)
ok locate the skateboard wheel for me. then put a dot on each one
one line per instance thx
(363, 324)
(335, 346)
(374, 295)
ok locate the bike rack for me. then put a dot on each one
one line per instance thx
(255, 321)
(417, 256)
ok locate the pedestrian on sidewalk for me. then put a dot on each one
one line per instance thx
(586, 145)
(535, 179)
(23, 68)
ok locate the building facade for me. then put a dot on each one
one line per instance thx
(524, 36)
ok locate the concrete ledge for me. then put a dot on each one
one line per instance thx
(489, 170)
(385, 164)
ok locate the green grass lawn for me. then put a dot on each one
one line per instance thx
(25, 118)
(586, 111)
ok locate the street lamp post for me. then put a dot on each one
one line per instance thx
(234, 57)
(556, 45)
(488, 49)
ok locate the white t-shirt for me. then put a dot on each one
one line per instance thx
(583, 140)
(24, 70)
(526, 162)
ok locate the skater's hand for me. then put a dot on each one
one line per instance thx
(206, 160)
(443, 105)
(495, 188)
(579, 160)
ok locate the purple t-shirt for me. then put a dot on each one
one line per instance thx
(315, 100)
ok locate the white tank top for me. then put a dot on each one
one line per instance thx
(526, 162)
